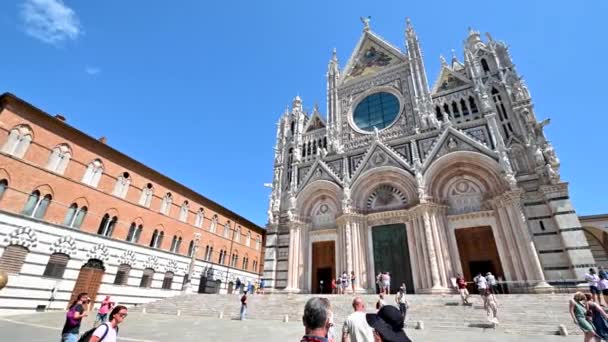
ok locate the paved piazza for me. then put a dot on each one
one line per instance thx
(148, 327)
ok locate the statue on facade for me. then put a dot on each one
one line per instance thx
(538, 157)
(552, 174)
(550, 155)
(346, 197)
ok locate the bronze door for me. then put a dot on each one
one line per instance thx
(391, 254)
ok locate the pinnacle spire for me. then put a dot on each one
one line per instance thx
(443, 61)
(365, 21)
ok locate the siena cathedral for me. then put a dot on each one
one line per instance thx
(422, 181)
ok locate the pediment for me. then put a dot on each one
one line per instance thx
(316, 122)
(379, 155)
(371, 55)
(448, 80)
(317, 171)
(452, 140)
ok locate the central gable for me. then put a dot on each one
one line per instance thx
(371, 55)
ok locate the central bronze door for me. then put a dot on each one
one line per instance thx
(323, 266)
(391, 254)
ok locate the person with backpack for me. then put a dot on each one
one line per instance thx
(102, 313)
(77, 311)
(108, 331)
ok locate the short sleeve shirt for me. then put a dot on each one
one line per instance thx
(110, 336)
(72, 326)
(356, 326)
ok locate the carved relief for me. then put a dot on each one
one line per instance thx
(151, 262)
(386, 197)
(128, 257)
(99, 252)
(66, 245)
(23, 236)
(463, 197)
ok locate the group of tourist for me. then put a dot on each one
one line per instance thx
(586, 309)
(487, 287)
(386, 325)
(106, 331)
(383, 283)
(341, 284)
(251, 288)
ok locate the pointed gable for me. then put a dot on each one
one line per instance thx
(371, 54)
(315, 122)
(449, 79)
(319, 171)
(379, 155)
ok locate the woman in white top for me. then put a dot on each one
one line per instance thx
(108, 332)
(592, 279)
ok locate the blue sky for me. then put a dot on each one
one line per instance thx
(197, 86)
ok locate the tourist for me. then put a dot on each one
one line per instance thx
(250, 287)
(379, 283)
(316, 319)
(602, 287)
(243, 306)
(578, 311)
(481, 283)
(262, 285)
(355, 326)
(237, 286)
(331, 332)
(491, 305)
(462, 288)
(388, 325)
(321, 286)
(598, 317)
(77, 311)
(254, 288)
(344, 282)
(492, 283)
(401, 301)
(333, 286)
(102, 313)
(108, 332)
(592, 279)
(387, 283)
(600, 271)
(380, 303)
(339, 284)
(352, 280)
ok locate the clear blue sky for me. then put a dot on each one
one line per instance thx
(194, 88)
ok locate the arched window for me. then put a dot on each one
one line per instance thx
(208, 253)
(438, 113)
(154, 238)
(19, 139)
(157, 239)
(146, 279)
(191, 248)
(146, 195)
(59, 159)
(227, 230)
(222, 258)
(473, 105)
(36, 205)
(502, 113)
(463, 105)
(56, 265)
(122, 185)
(13, 258)
(75, 216)
(255, 266)
(134, 232)
(455, 109)
(237, 234)
(248, 239)
(200, 215)
(258, 243)
(213, 226)
(3, 187)
(165, 206)
(235, 259)
(93, 173)
(183, 212)
(106, 226)
(245, 263)
(175, 244)
(485, 66)
(168, 280)
(122, 274)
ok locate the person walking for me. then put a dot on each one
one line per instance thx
(462, 288)
(401, 301)
(387, 283)
(262, 285)
(481, 283)
(578, 310)
(492, 283)
(102, 313)
(333, 286)
(108, 332)
(77, 311)
(243, 306)
(352, 280)
(380, 303)
(592, 280)
(339, 284)
(317, 320)
(355, 328)
(344, 282)
(602, 286)
(379, 283)
(491, 305)
(387, 325)
(598, 317)
(237, 286)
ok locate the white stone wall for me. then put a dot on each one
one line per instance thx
(29, 289)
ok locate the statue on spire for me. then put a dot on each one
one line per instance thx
(365, 21)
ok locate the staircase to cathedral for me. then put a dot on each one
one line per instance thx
(526, 314)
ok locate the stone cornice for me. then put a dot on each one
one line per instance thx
(470, 216)
(555, 190)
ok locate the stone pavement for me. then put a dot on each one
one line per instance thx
(140, 327)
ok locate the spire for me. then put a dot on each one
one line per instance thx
(444, 63)
(365, 21)
(297, 103)
(454, 59)
(333, 69)
(409, 29)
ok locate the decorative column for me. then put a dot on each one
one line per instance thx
(293, 266)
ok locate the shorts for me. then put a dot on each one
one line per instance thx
(101, 317)
(594, 290)
(605, 292)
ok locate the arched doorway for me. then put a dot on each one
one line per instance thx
(218, 284)
(597, 240)
(230, 287)
(202, 285)
(478, 253)
(89, 279)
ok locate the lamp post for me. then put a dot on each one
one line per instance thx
(187, 288)
(229, 260)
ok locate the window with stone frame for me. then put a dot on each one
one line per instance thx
(107, 224)
(200, 216)
(157, 239)
(75, 216)
(122, 274)
(191, 248)
(227, 230)
(18, 142)
(167, 281)
(258, 243)
(93, 173)
(208, 253)
(56, 265)
(213, 225)
(37, 205)
(123, 182)
(237, 234)
(13, 258)
(146, 278)
(134, 232)
(3, 187)
(175, 244)
(147, 193)
(183, 212)
(59, 158)
(248, 239)
(165, 205)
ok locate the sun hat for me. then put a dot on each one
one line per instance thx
(388, 323)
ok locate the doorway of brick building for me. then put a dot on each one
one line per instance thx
(478, 253)
(89, 280)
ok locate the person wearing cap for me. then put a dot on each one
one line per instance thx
(387, 325)
(355, 326)
(317, 320)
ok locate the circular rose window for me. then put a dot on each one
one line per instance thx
(378, 110)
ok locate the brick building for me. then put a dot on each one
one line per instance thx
(78, 215)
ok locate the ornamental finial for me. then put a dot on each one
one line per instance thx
(365, 21)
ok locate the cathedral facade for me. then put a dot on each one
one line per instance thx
(423, 181)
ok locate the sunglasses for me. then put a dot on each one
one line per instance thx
(123, 315)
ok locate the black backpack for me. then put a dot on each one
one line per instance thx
(87, 335)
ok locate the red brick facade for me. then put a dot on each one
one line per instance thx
(29, 172)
